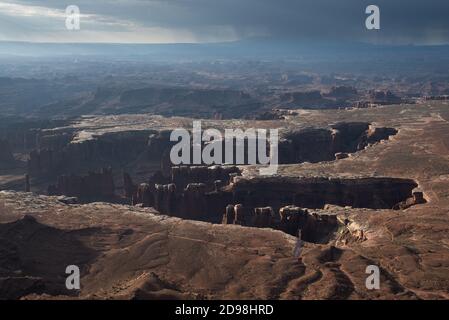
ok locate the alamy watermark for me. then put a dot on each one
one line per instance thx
(73, 17)
(207, 147)
(72, 20)
(72, 282)
(372, 22)
(372, 282)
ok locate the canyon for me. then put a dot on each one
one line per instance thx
(364, 187)
(74, 149)
(87, 181)
(206, 193)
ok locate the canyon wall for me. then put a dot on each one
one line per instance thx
(213, 177)
(58, 154)
(316, 192)
(92, 187)
(215, 202)
(317, 144)
(62, 152)
(6, 155)
(23, 134)
(314, 227)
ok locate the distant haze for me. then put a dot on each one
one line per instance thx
(198, 21)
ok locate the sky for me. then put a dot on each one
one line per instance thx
(199, 21)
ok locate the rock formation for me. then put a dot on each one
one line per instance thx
(27, 183)
(194, 201)
(6, 156)
(378, 134)
(292, 218)
(144, 195)
(239, 215)
(262, 217)
(307, 99)
(106, 150)
(61, 153)
(417, 198)
(277, 192)
(315, 227)
(342, 92)
(228, 217)
(255, 199)
(165, 198)
(383, 97)
(341, 155)
(181, 176)
(129, 187)
(93, 186)
(170, 101)
(318, 144)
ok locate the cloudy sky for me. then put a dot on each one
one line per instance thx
(174, 21)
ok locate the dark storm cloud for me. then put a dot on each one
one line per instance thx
(412, 21)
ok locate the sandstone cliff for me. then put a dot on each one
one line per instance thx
(94, 186)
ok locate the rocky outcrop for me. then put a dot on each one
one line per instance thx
(165, 198)
(59, 154)
(262, 217)
(144, 195)
(383, 97)
(318, 144)
(292, 218)
(40, 162)
(305, 145)
(304, 99)
(23, 134)
(129, 187)
(159, 142)
(274, 114)
(234, 214)
(259, 197)
(341, 155)
(194, 201)
(192, 192)
(437, 97)
(94, 186)
(190, 102)
(27, 183)
(417, 198)
(253, 202)
(239, 215)
(68, 200)
(378, 134)
(314, 227)
(341, 92)
(336, 97)
(229, 216)
(181, 176)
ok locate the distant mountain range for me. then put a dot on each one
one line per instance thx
(251, 49)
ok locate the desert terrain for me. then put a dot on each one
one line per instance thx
(369, 187)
